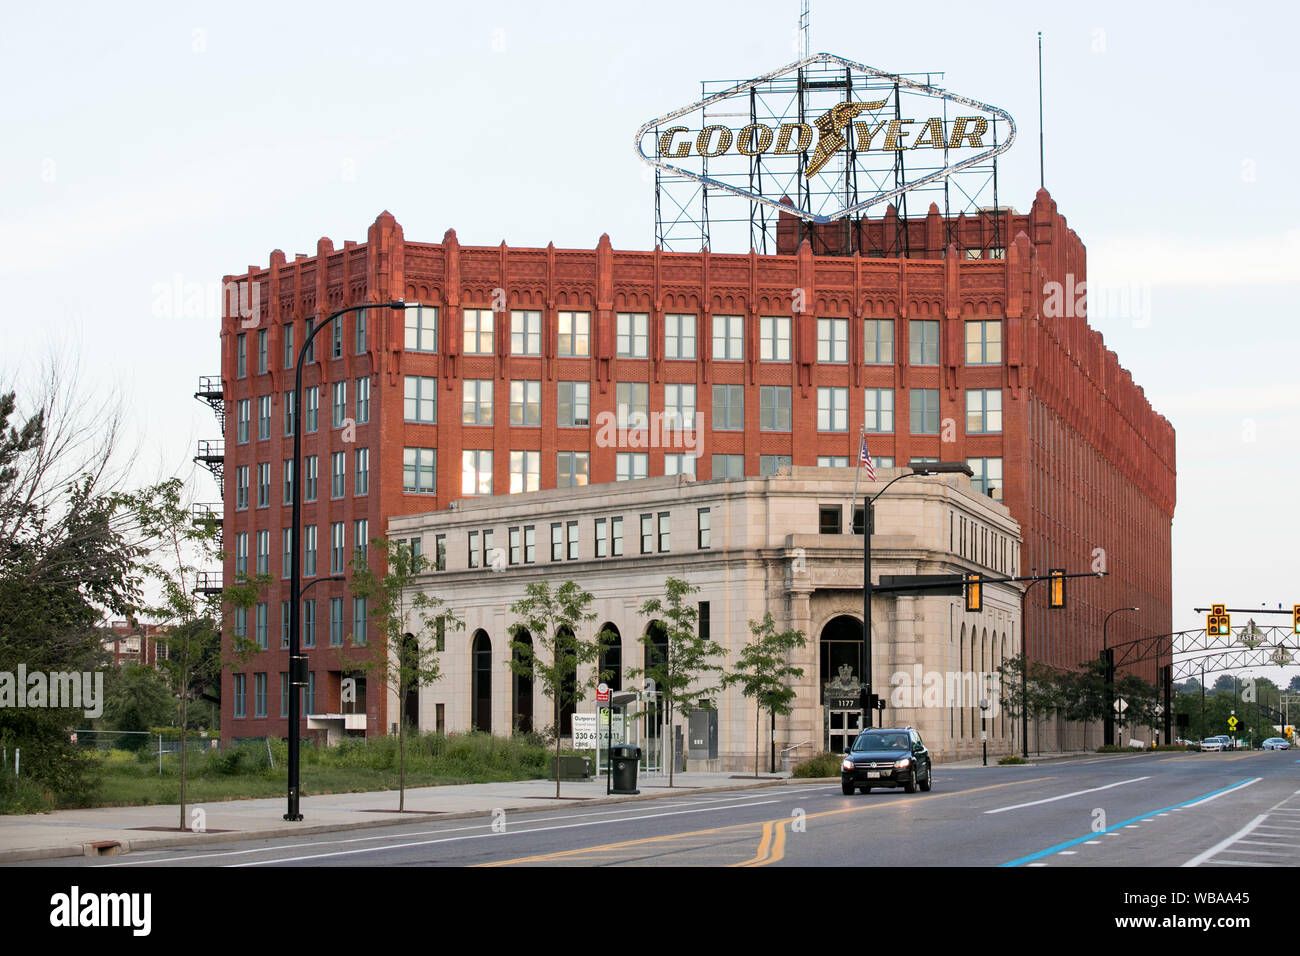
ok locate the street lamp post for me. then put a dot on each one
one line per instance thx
(868, 523)
(297, 662)
(1108, 734)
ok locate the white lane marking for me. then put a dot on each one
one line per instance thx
(1270, 843)
(1067, 853)
(1224, 793)
(1066, 796)
(1289, 856)
(1224, 844)
(1130, 826)
(1031, 864)
(1241, 863)
(480, 836)
(608, 816)
(1091, 842)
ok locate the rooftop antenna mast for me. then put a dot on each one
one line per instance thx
(805, 29)
(1041, 179)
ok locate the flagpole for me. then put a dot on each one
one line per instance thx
(857, 467)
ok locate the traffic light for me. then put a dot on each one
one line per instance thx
(1295, 619)
(1218, 623)
(974, 598)
(1056, 588)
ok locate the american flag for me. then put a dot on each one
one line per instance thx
(864, 458)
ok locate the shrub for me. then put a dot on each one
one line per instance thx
(1010, 759)
(823, 765)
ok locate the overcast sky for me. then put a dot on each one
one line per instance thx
(157, 146)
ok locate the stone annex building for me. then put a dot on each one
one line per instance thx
(536, 369)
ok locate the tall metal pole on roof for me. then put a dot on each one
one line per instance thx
(1041, 179)
(805, 30)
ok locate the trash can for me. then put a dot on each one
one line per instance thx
(624, 759)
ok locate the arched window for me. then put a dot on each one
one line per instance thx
(480, 694)
(522, 689)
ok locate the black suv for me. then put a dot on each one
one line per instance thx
(886, 758)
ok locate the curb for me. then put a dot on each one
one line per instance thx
(162, 843)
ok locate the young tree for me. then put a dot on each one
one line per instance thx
(178, 549)
(764, 674)
(686, 670)
(410, 623)
(1041, 693)
(554, 621)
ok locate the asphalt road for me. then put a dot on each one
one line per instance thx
(1221, 810)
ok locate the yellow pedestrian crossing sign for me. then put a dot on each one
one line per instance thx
(1232, 723)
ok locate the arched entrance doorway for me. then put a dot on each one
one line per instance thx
(522, 689)
(480, 692)
(411, 702)
(611, 657)
(565, 706)
(840, 672)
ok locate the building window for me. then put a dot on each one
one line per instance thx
(440, 552)
(665, 530)
(309, 622)
(361, 480)
(987, 478)
(310, 356)
(284, 693)
(774, 408)
(338, 404)
(630, 465)
(288, 345)
(241, 622)
(557, 541)
(311, 407)
(288, 414)
(241, 553)
(878, 337)
(338, 474)
(728, 466)
(574, 334)
(774, 338)
(832, 340)
(983, 410)
(286, 552)
(243, 412)
(264, 484)
(574, 401)
(647, 534)
(359, 621)
(525, 403)
(728, 338)
(633, 404)
(829, 519)
(241, 487)
(525, 332)
(530, 544)
(263, 417)
(571, 540)
(309, 478)
(262, 351)
(421, 328)
(633, 334)
(308, 701)
(476, 472)
(879, 461)
(363, 400)
(879, 403)
(241, 695)
(769, 464)
(360, 331)
(703, 619)
(525, 471)
(702, 534)
(616, 537)
(477, 407)
(923, 341)
(336, 339)
(478, 332)
(679, 336)
(729, 407)
(309, 551)
(832, 409)
(683, 464)
(241, 355)
(336, 547)
(925, 411)
(600, 539)
(984, 342)
(421, 399)
(473, 549)
(420, 471)
(573, 468)
(264, 552)
(287, 471)
(360, 540)
(679, 406)
(336, 622)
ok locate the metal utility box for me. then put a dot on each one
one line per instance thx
(702, 727)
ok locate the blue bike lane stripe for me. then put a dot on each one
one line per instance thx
(1020, 861)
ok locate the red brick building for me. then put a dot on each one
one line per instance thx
(504, 381)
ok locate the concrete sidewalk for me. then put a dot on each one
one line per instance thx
(65, 833)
